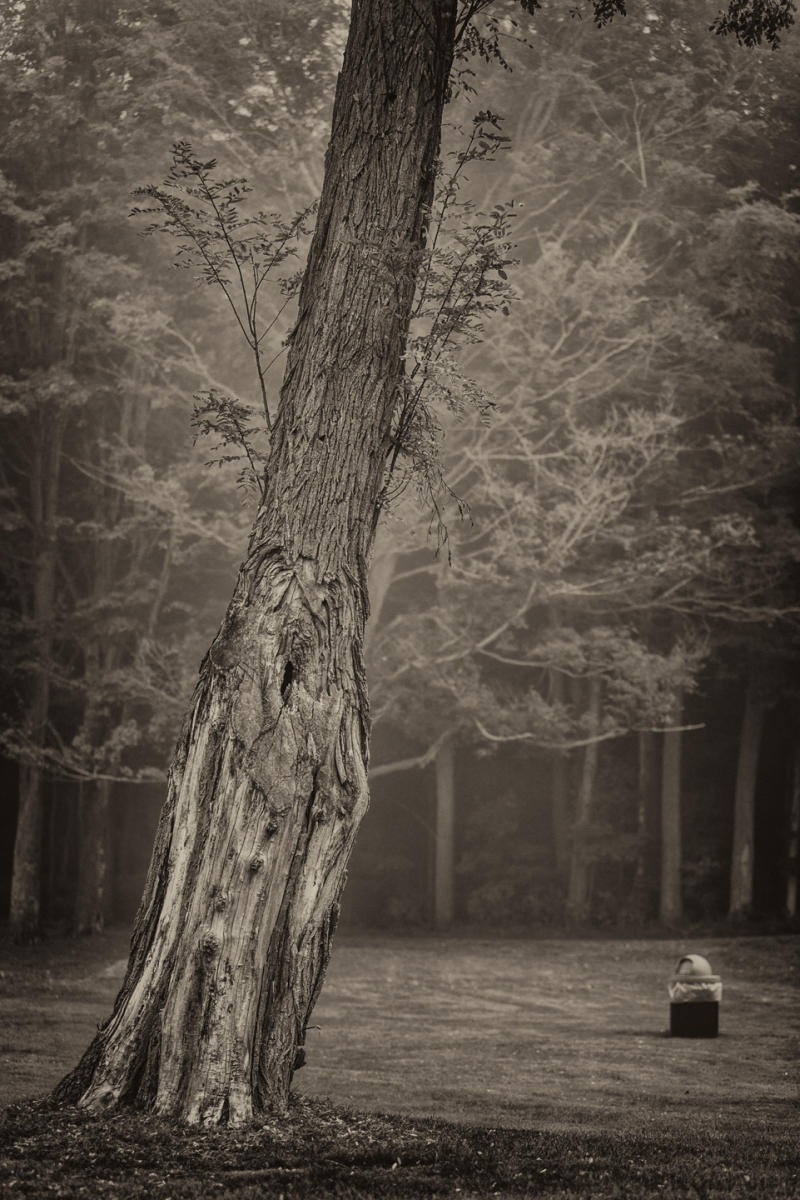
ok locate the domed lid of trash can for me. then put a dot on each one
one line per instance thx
(693, 964)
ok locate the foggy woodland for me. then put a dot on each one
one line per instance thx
(584, 633)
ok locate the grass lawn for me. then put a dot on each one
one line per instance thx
(502, 1067)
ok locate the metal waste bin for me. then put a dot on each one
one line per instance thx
(694, 995)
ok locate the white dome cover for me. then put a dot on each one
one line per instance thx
(693, 964)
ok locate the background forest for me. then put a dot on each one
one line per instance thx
(585, 637)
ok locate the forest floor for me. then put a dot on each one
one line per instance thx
(443, 1067)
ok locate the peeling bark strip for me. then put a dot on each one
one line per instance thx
(269, 781)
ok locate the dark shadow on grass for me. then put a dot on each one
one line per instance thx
(321, 1150)
(652, 1034)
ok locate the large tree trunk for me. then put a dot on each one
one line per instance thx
(444, 858)
(269, 782)
(741, 893)
(578, 887)
(670, 901)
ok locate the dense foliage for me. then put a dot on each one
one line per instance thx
(617, 413)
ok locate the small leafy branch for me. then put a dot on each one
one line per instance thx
(230, 421)
(236, 251)
(474, 40)
(463, 281)
(751, 21)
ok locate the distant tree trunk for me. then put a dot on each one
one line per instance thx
(101, 656)
(92, 895)
(26, 879)
(646, 873)
(741, 893)
(559, 787)
(25, 905)
(793, 850)
(559, 807)
(269, 781)
(380, 580)
(670, 903)
(578, 886)
(444, 861)
(559, 779)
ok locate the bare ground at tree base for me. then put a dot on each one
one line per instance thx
(507, 1067)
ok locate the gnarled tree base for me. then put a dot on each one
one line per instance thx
(232, 939)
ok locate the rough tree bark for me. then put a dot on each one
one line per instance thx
(741, 890)
(793, 844)
(269, 780)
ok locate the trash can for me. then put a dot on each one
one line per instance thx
(694, 995)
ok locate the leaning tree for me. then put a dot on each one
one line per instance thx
(269, 779)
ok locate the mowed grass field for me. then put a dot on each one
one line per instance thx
(556, 1034)
(509, 1067)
